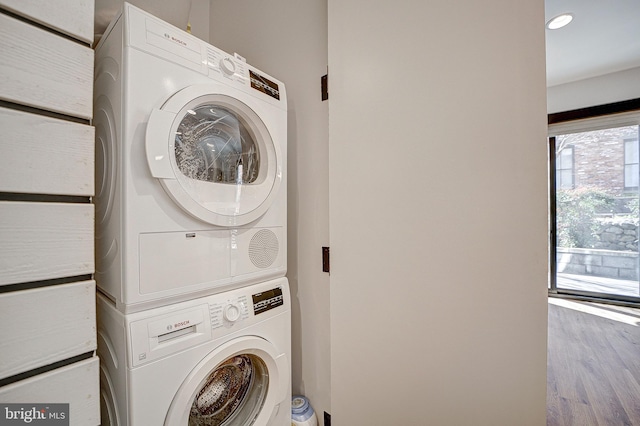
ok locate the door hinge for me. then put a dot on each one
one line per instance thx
(324, 84)
(325, 259)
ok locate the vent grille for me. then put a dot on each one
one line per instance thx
(263, 248)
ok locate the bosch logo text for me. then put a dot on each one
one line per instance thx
(174, 39)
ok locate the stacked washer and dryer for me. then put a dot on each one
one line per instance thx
(194, 323)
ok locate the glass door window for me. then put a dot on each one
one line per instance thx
(232, 394)
(214, 145)
(595, 214)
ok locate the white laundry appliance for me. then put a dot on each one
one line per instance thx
(190, 166)
(223, 359)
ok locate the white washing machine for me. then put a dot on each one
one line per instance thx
(223, 359)
(190, 166)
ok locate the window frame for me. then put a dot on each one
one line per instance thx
(626, 113)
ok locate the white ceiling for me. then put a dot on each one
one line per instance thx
(604, 37)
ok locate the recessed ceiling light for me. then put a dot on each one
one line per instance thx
(559, 21)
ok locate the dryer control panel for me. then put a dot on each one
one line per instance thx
(149, 34)
(228, 66)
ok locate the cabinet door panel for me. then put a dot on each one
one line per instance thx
(43, 70)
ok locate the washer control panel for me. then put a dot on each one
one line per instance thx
(162, 331)
(267, 300)
(177, 329)
(226, 313)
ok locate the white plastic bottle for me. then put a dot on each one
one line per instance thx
(302, 413)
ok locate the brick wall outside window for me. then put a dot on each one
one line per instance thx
(599, 157)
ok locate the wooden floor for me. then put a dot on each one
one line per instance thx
(593, 364)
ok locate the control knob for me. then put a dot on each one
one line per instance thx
(227, 66)
(231, 312)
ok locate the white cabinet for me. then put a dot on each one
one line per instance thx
(60, 321)
(70, 17)
(40, 241)
(44, 70)
(75, 384)
(44, 155)
(47, 294)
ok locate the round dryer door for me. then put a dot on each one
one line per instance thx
(240, 383)
(214, 155)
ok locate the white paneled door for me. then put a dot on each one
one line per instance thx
(438, 220)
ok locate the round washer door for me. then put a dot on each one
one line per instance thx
(239, 383)
(214, 155)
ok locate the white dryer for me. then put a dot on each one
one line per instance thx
(223, 359)
(190, 166)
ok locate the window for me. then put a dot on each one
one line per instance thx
(631, 170)
(564, 168)
(594, 205)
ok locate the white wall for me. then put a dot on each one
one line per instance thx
(609, 88)
(288, 39)
(199, 19)
(437, 164)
